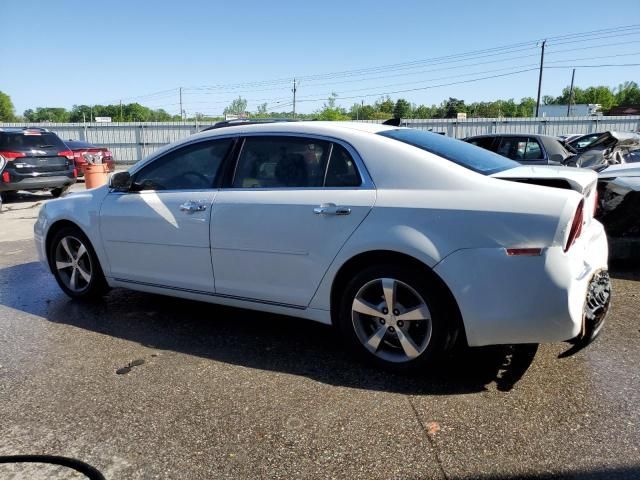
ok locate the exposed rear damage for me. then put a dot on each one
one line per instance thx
(619, 205)
(589, 300)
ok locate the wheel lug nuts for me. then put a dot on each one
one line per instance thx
(382, 322)
(396, 312)
(391, 329)
(385, 310)
(400, 323)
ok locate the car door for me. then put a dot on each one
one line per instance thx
(291, 205)
(158, 232)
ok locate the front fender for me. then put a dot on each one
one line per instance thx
(83, 210)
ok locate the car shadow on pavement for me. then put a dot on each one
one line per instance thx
(254, 339)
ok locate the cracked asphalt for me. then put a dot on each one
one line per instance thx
(213, 392)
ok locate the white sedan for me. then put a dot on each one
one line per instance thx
(405, 240)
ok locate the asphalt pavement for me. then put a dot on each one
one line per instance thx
(142, 386)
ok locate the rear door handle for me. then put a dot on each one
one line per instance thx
(191, 206)
(331, 209)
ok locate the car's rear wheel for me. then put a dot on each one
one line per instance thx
(75, 265)
(396, 317)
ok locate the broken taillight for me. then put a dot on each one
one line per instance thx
(576, 226)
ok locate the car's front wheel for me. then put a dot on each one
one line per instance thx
(75, 265)
(396, 317)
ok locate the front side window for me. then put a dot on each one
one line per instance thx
(193, 167)
(277, 162)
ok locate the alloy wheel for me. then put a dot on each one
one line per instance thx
(73, 264)
(391, 320)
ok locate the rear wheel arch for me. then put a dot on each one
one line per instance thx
(389, 257)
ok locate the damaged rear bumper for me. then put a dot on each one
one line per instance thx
(596, 308)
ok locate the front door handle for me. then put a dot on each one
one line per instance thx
(331, 209)
(191, 207)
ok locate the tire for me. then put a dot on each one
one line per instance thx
(8, 195)
(82, 276)
(396, 341)
(58, 192)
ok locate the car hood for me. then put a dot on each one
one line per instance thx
(577, 179)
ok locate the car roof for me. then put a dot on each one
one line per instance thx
(311, 127)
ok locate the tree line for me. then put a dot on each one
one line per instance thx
(625, 94)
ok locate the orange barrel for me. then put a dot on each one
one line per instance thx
(95, 175)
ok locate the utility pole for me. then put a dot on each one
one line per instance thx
(120, 110)
(540, 77)
(573, 76)
(181, 111)
(91, 113)
(294, 97)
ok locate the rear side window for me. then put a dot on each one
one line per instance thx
(342, 171)
(277, 162)
(21, 142)
(482, 142)
(194, 167)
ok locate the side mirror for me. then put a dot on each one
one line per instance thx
(120, 182)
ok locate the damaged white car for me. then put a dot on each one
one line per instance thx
(405, 240)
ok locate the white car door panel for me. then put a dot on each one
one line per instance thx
(158, 231)
(276, 245)
(159, 237)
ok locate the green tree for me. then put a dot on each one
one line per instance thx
(262, 110)
(384, 105)
(402, 109)
(7, 111)
(236, 107)
(47, 114)
(627, 93)
(330, 111)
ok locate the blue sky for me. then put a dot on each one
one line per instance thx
(60, 53)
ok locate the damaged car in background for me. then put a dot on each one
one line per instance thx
(608, 148)
(619, 200)
(595, 151)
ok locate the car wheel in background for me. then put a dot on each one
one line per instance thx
(396, 317)
(75, 265)
(58, 192)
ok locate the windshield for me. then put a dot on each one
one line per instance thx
(464, 154)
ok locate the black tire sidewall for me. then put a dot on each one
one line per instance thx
(97, 286)
(431, 292)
